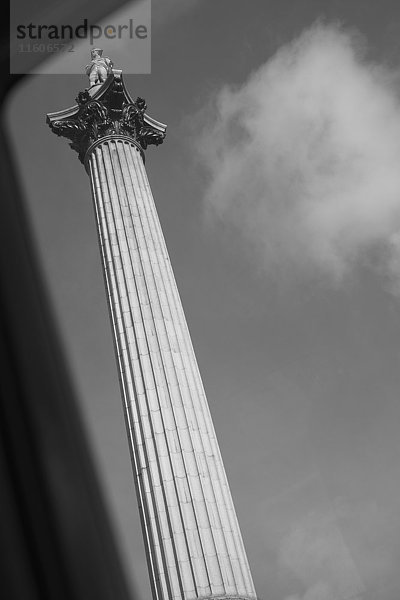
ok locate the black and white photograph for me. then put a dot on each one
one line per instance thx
(200, 300)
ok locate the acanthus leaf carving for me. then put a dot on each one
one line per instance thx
(133, 121)
(92, 121)
(111, 114)
(69, 128)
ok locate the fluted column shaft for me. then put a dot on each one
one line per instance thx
(192, 538)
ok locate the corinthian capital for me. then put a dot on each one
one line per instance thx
(104, 110)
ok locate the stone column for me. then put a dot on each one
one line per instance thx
(192, 537)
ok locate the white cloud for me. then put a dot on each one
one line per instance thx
(346, 551)
(304, 158)
(315, 555)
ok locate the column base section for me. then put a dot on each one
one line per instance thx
(226, 597)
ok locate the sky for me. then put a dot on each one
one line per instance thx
(278, 190)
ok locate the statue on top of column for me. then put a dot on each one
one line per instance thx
(99, 68)
(105, 109)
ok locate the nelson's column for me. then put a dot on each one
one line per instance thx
(191, 533)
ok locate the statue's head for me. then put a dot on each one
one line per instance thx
(96, 53)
